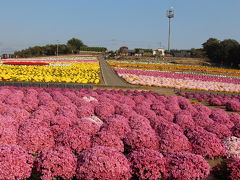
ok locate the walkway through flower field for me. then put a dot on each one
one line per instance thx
(110, 78)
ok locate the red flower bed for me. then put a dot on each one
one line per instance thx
(27, 63)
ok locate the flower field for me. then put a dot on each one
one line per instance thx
(113, 134)
(231, 102)
(179, 76)
(70, 70)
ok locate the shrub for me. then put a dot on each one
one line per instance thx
(85, 111)
(203, 109)
(44, 98)
(103, 163)
(147, 113)
(233, 105)
(187, 166)
(184, 120)
(35, 139)
(215, 102)
(123, 110)
(117, 125)
(202, 119)
(220, 130)
(59, 162)
(236, 130)
(104, 110)
(4, 93)
(205, 143)
(15, 163)
(148, 164)
(15, 98)
(165, 114)
(221, 116)
(139, 122)
(75, 139)
(137, 139)
(171, 138)
(184, 104)
(43, 113)
(59, 124)
(18, 114)
(69, 111)
(232, 145)
(90, 125)
(235, 118)
(154, 122)
(108, 139)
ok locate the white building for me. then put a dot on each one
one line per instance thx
(160, 52)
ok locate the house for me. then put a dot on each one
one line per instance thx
(124, 51)
(159, 52)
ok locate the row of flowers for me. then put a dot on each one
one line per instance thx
(56, 58)
(179, 81)
(111, 134)
(232, 102)
(69, 73)
(177, 68)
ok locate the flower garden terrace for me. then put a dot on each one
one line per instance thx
(112, 134)
(81, 70)
(178, 76)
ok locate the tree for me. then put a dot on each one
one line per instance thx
(75, 44)
(234, 55)
(227, 46)
(198, 53)
(226, 52)
(212, 48)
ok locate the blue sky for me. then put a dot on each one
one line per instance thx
(114, 23)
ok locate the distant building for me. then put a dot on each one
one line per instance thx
(6, 56)
(159, 52)
(139, 52)
(124, 51)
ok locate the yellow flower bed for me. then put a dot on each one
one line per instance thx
(178, 68)
(74, 73)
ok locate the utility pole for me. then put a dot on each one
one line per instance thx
(170, 15)
(57, 46)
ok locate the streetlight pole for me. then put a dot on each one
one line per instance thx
(57, 46)
(170, 15)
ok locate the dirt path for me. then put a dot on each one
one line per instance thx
(110, 78)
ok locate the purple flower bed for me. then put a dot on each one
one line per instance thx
(114, 134)
(231, 102)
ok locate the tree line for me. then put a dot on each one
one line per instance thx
(73, 46)
(226, 52)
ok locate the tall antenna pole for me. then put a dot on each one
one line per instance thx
(170, 14)
(169, 33)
